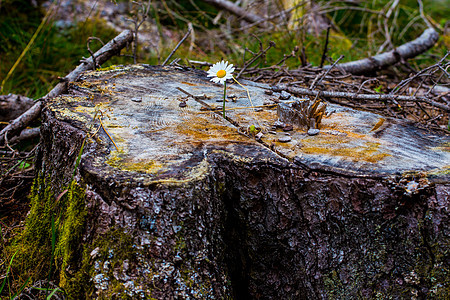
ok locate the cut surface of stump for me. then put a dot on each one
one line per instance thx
(216, 209)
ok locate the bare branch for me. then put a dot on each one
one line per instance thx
(422, 14)
(406, 81)
(88, 43)
(319, 78)
(26, 134)
(12, 106)
(261, 52)
(411, 49)
(178, 45)
(325, 48)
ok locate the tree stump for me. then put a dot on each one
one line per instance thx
(181, 203)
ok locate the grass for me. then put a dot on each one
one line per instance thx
(7, 283)
(54, 53)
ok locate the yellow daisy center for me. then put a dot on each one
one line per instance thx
(221, 73)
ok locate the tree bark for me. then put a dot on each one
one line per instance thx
(207, 211)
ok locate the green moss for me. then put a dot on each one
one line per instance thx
(72, 227)
(34, 242)
(111, 266)
(334, 285)
(66, 214)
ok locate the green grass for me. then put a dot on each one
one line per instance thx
(57, 51)
(54, 53)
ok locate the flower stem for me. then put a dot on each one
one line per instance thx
(224, 96)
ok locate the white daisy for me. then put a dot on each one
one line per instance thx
(220, 72)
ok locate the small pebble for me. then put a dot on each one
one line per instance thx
(258, 109)
(232, 97)
(335, 132)
(279, 124)
(288, 127)
(313, 131)
(136, 99)
(284, 95)
(202, 97)
(268, 92)
(182, 104)
(412, 186)
(285, 139)
(259, 135)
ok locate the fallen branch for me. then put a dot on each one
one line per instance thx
(26, 134)
(355, 96)
(12, 106)
(112, 48)
(238, 11)
(411, 49)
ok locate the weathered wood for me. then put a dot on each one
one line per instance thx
(359, 210)
(380, 61)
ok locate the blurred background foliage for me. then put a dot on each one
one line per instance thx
(358, 29)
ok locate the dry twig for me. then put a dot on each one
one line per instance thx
(177, 46)
(355, 96)
(261, 52)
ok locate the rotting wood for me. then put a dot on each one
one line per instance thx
(212, 213)
(112, 48)
(409, 50)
